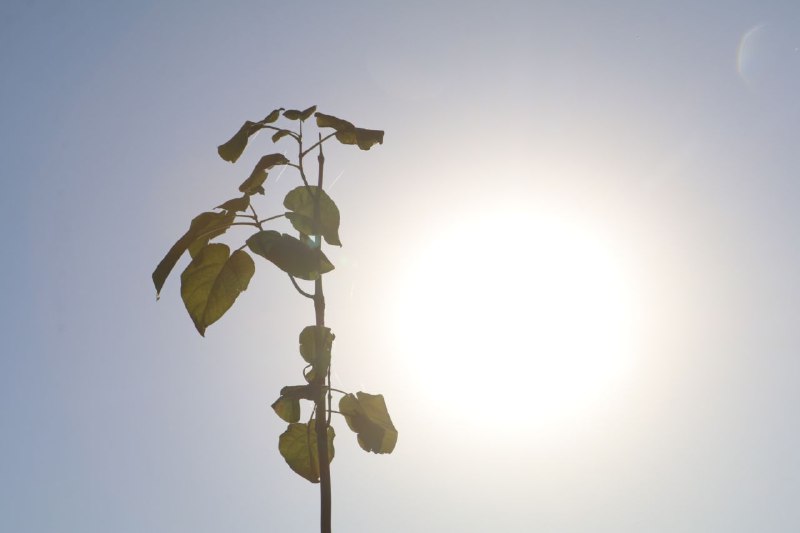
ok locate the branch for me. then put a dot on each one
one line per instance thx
(271, 218)
(291, 133)
(322, 140)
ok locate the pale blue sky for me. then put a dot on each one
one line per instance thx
(651, 122)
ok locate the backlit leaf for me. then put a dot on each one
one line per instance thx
(273, 116)
(347, 133)
(204, 227)
(294, 114)
(290, 254)
(298, 446)
(254, 183)
(280, 134)
(236, 204)
(302, 204)
(287, 408)
(231, 150)
(213, 228)
(308, 347)
(213, 281)
(308, 112)
(366, 414)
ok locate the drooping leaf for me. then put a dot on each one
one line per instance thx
(295, 114)
(298, 392)
(301, 202)
(364, 138)
(214, 228)
(290, 254)
(308, 347)
(253, 184)
(329, 121)
(347, 133)
(367, 416)
(236, 204)
(213, 281)
(287, 408)
(311, 375)
(204, 227)
(231, 150)
(280, 134)
(298, 446)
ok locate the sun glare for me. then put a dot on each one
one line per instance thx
(524, 319)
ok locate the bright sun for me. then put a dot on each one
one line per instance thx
(522, 318)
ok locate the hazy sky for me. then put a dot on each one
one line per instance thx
(669, 129)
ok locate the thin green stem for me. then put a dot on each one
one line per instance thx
(255, 216)
(301, 291)
(321, 401)
(321, 140)
(271, 218)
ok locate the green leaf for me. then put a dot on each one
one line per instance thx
(231, 150)
(236, 204)
(308, 347)
(308, 112)
(294, 114)
(287, 408)
(364, 138)
(204, 227)
(329, 121)
(254, 183)
(302, 204)
(280, 134)
(298, 446)
(366, 414)
(290, 254)
(273, 116)
(347, 133)
(213, 228)
(311, 375)
(213, 281)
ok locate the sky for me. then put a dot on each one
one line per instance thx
(664, 134)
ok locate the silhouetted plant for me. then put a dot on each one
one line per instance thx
(215, 277)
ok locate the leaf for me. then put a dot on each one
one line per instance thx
(236, 204)
(273, 116)
(287, 408)
(298, 446)
(214, 228)
(364, 138)
(290, 254)
(280, 134)
(254, 183)
(329, 121)
(213, 281)
(311, 375)
(308, 347)
(231, 150)
(308, 112)
(204, 227)
(347, 133)
(302, 203)
(294, 114)
(366, 414)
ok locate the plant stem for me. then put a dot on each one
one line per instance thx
(320, 400)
